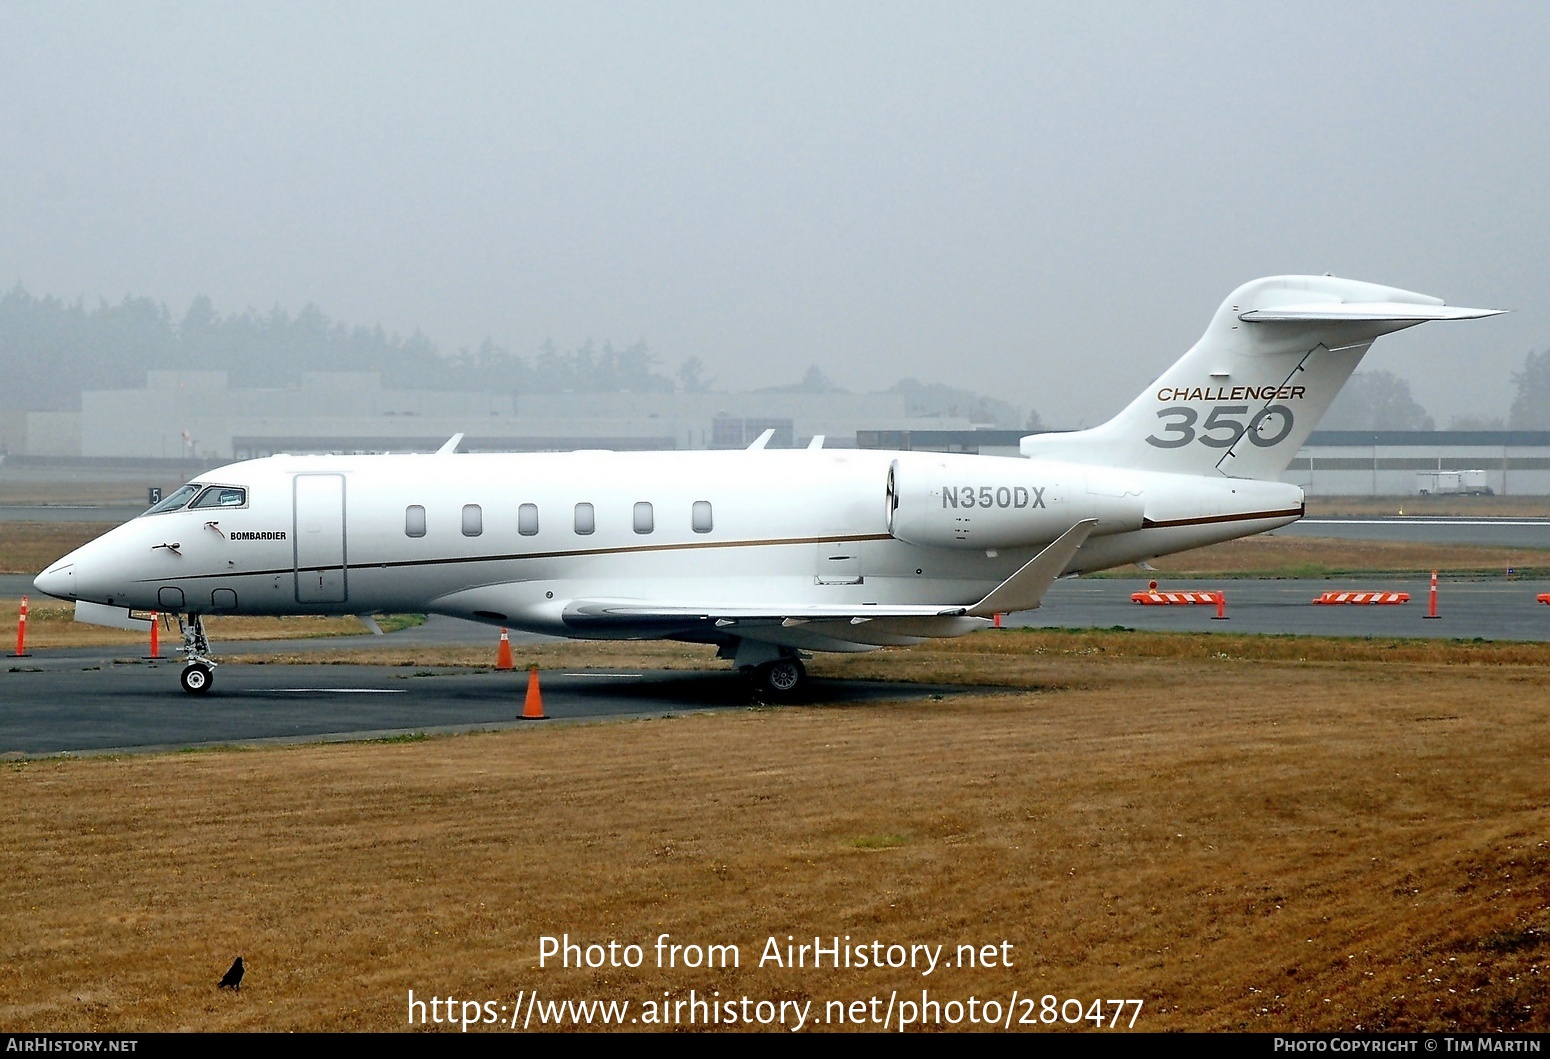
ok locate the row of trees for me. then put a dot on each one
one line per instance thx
(1531, 406)
(50, 350)
(1381, 400)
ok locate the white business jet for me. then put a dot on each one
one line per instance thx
(768, 554)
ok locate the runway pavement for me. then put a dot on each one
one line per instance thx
(1497, 532)
(1491, 610)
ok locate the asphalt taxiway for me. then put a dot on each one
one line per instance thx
(60, 706)
(1497, 609)
(89, 699)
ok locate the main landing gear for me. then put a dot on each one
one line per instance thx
(776, 672)
(199, 670)
(780, 679)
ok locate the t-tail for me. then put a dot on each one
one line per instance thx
(1245, 397)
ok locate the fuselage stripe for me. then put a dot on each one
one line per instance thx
(577, 553)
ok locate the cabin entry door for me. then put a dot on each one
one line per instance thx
(319, 538)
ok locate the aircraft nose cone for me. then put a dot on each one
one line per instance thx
(57, 581)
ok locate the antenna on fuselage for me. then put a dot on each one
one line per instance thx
(762, 440)
(451, 446)
(817, 442)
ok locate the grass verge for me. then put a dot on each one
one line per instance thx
(1239, 839)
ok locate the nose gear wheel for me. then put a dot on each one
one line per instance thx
(199, 668)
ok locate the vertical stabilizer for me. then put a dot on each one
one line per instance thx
(1245, 397)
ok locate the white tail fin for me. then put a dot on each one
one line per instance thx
(1243, 400)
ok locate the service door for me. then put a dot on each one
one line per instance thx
(839, 563)
(319, 538)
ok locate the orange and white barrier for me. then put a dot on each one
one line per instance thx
(1362, 597)
(1152, 597)
(155, 655)
(503, 658)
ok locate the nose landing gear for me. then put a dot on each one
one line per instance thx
(199, 670)
(197, 678)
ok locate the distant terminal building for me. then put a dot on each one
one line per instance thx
(197, 414)
(1406, 462)
(1335, 462)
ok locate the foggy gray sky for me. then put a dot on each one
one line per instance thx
(1041, 202)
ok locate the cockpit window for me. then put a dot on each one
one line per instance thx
(175, 501)
(222, 496)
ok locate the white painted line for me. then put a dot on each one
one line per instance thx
(604, 676)
(1421, 522)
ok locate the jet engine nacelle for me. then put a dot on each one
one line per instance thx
(973, 502)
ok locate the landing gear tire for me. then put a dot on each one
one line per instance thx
(781, 678)
(197, 678)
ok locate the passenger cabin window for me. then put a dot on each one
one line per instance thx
(221, 496)
(175, 501)
(585, 520)
(702, 522)
(645, 521)
(527, 520)
(414, 521)
(473, 520)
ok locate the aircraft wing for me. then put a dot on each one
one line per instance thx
(1024, 590)
(601, 611)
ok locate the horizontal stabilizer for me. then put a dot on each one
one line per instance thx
(1362, 312)
(1025, 589)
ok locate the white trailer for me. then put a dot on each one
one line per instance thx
(1452, 483)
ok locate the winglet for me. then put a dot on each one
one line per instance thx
(762, 440)
(451, 446)
(1025, 589)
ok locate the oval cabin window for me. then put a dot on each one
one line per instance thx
(414, 521)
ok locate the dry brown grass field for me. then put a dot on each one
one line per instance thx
(1283, 556)
(1245, 833)
(29, 547)
(86, 486)
(51, 623)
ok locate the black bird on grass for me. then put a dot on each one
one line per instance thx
(233, 978)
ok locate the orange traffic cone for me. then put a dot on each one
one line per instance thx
(533, 708)
(503, 656)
